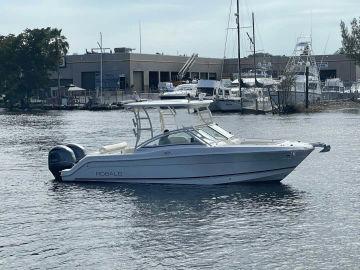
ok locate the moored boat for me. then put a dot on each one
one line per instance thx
(295, 72)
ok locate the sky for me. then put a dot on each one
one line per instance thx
(186, 26)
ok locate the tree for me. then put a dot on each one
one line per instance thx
(351, 39)
(285, 87)
(9, 69)
(26, 61)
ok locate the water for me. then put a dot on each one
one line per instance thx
(310, 221)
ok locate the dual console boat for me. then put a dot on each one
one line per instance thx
(201, 154)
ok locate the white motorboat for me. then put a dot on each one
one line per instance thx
(335, 85)
(182, 91)
(333, 89)
(202, 154)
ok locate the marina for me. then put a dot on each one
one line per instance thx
(186, 135)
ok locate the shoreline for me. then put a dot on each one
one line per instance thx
(331, 105)
(323, 106)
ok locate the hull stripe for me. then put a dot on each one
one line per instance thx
(191, 177)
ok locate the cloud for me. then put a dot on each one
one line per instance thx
(181, 26)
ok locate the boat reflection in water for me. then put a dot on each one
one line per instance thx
(180, 199)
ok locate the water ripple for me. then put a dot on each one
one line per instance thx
(309, 221)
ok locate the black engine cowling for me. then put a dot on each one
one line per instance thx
(63, 157)
(78, 150)
(60, 158)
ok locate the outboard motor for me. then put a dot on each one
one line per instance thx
(60, 158)
(78, 150)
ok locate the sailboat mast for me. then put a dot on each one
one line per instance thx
(238, 39)
(253, 26)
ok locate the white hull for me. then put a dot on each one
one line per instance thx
(226, 105)
(294, 97)
(210, 180)
(231, 105)
(209, 167)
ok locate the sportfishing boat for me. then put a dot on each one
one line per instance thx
(201, 153)
(301, 60)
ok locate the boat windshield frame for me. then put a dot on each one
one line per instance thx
(189, 131)
(210, 135)
(215, 131)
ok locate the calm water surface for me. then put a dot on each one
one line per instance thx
(309, 221)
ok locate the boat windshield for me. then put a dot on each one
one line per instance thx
(220, 130)
(212, 133)
(178, 137)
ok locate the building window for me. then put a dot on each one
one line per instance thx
(204, 76)
(174, 76)
(122, 83)
(212, 76)
(164, 76)
(195, 75)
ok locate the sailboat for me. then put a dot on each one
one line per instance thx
(244, 94)
(228, 98)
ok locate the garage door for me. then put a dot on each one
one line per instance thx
(138, 77)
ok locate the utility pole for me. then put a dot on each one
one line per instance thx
(101, 68)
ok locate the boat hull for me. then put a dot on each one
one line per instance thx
(294, 98)
(273, 176)
(204, 168)
(171, 97)
(231, 105)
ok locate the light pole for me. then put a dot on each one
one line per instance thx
(140, 36)
(58, 72)
(307, 84)
(101, 65)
